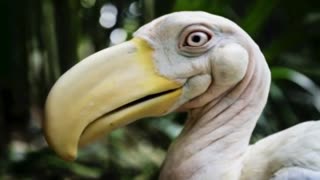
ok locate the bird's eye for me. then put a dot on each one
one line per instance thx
(197, 39)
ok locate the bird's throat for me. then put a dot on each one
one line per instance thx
(217, 134)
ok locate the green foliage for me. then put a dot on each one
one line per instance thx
(51, 36)
(45, 164)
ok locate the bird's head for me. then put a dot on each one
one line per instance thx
(171, 61)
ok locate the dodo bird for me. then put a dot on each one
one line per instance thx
(185, 61)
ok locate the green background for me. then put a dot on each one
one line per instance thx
(41, 39)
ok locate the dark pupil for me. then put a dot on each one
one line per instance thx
(196, 39)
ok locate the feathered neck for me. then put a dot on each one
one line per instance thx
(217, 134)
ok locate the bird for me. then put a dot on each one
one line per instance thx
(188, 61)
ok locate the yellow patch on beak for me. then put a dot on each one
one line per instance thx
(107, 90)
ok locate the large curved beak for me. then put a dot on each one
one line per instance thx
(105, 91)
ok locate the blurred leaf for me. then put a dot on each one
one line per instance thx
(312, 17)
(46, 163)
(257, 16)
(167, 125)
(300, 79)
(87, 3)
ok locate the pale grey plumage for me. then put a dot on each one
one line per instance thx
(296, 173)
(290, 153)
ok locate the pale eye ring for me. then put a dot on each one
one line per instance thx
(197, 39)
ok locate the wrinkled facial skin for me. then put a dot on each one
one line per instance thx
(199, 53)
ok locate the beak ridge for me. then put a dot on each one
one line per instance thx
(105, 91)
